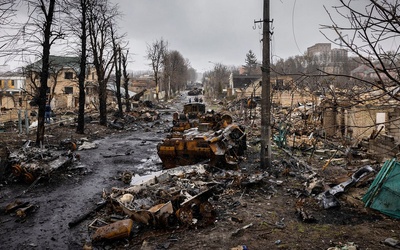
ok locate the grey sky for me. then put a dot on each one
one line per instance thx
(221, 31)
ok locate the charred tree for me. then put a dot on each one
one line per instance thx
(118, 76)
(126, 80)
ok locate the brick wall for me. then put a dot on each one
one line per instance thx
(393, 128)
(362, 120)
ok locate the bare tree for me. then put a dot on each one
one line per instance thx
(368, 32)
(101, 17)
(38, 33)
(34, 37)
(116, 42)
(46, 11)
(155, 53)
(219, 79)
(76, 23)
(7, 13)
(175, 72)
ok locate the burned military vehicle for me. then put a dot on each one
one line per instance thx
(189, 118)
(194, 110)
(195, 91)
(216, 140)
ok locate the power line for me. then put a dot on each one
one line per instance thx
(294, 34)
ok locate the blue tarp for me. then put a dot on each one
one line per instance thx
(384, 193)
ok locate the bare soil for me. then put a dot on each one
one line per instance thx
(263, 214)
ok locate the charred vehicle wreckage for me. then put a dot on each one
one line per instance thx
(29, 163)
(208, 137)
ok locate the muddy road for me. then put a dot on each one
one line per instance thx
(73, 191)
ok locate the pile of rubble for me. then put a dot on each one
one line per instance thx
(175, 199)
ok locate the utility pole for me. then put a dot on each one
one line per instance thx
(265, 153)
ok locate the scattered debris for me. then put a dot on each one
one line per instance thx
(304, 215)
(10, 208)
(22, 212)
(240, 247)
(127, 177)
(346, 246)
(117, 230)
(20, 209)
(392, 242)
(240, 230)
(329, 199)
(116, 125)
(30, 163)
(87, 145)
(172, 198)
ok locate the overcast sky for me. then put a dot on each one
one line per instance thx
(221, 31)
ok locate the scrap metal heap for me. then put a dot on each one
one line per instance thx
(31, 163)
(176, 198)
(211, 138)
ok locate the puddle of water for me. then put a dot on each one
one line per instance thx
(149, 164)
(163, 174)
(148, 179)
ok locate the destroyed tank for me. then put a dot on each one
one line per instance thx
(181, 122)
(194, 110)
(216, 140)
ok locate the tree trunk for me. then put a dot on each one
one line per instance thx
(118, 63)
(103, 102)
(126, 83)
(44, 74)
(80, 129)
